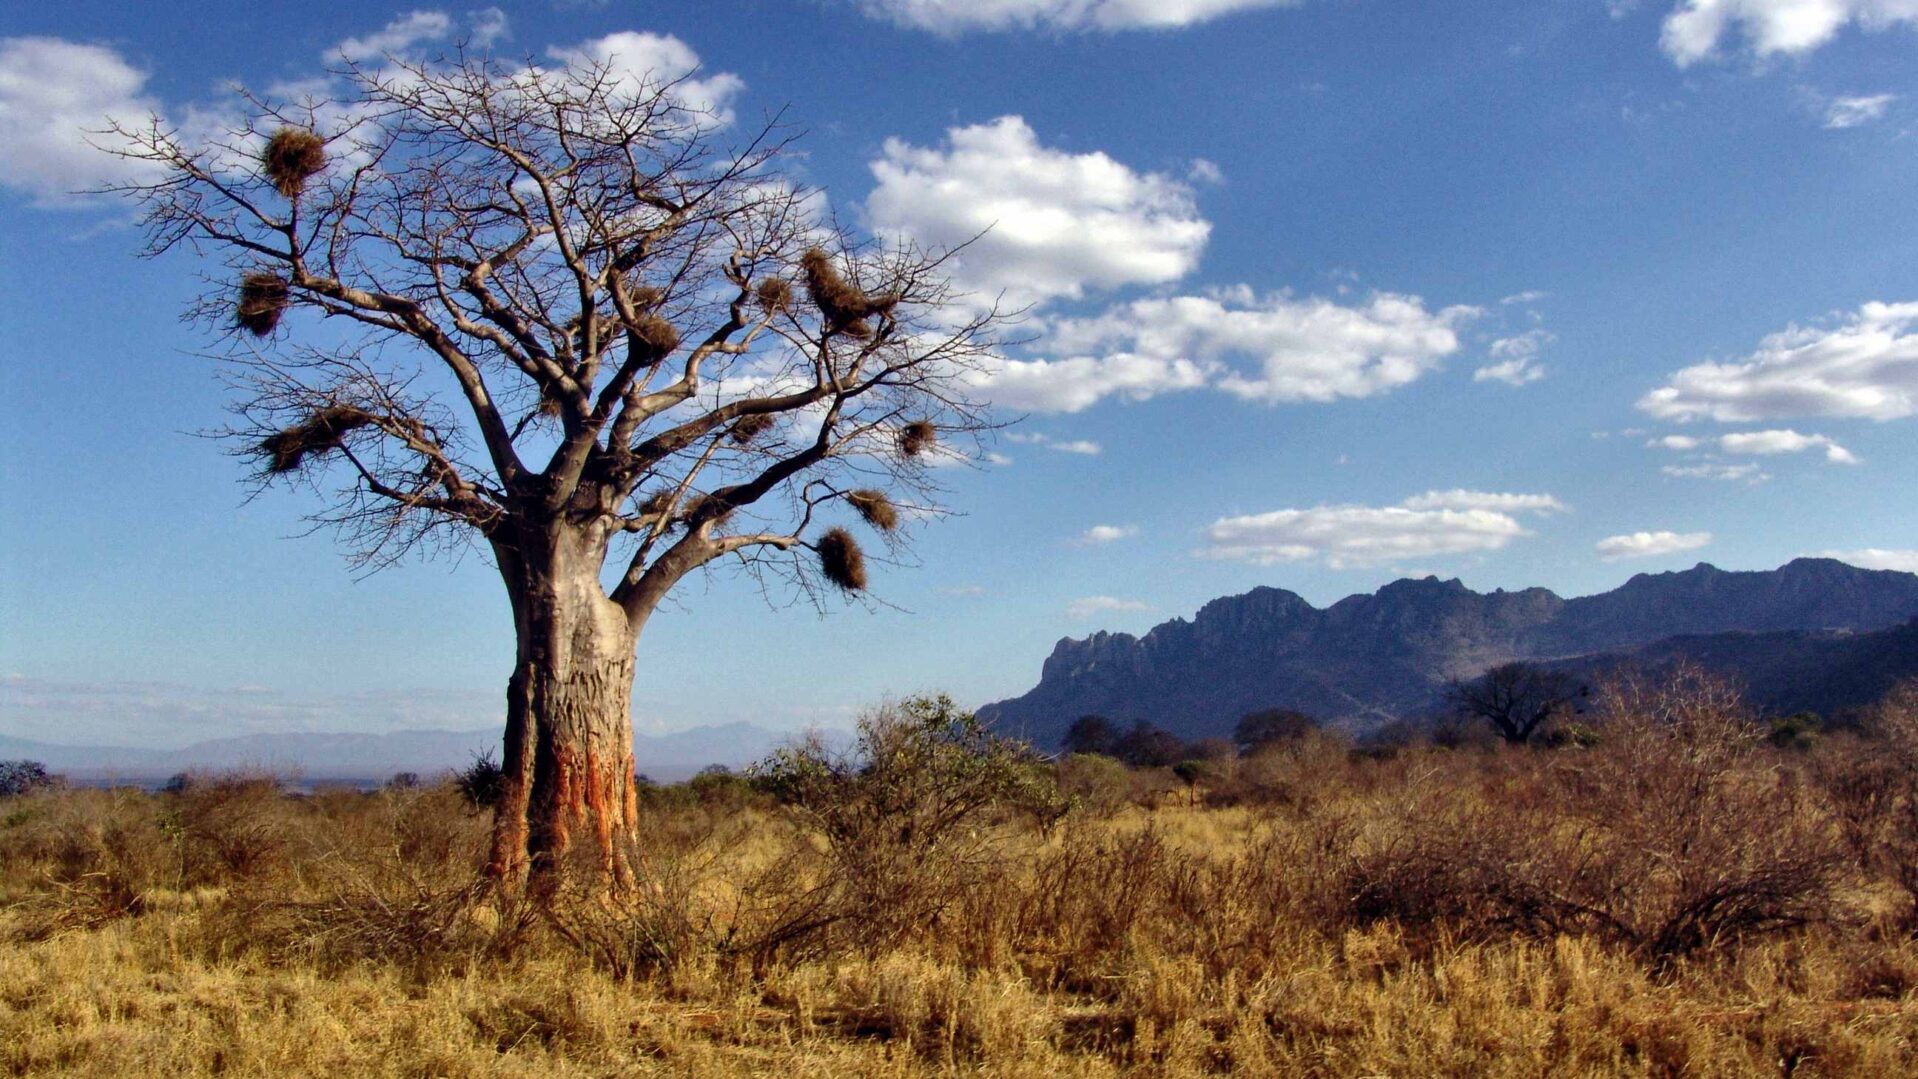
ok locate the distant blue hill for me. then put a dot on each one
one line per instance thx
(373, 757)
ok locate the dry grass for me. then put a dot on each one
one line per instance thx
(1477, 912)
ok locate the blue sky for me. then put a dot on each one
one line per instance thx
(1325, 293)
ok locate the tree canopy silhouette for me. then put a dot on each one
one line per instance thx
(1516, 699)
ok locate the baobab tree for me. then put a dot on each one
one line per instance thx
(567, 315)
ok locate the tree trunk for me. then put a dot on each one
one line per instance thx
(569, 732)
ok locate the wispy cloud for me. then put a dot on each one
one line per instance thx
(1093, 605)
(1516, 359)
(953, 16)
(1903, 560)
(1712, 470)
(1845, 112)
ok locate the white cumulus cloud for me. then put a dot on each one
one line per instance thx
(55, 95)
(1299, 349)
(398, 36)
(639, 61)
(1768, 443)
(1077, 383)
(1695, 28)
(951, 16)
(1676, 442)
(1429, 525)
(1650, 544)
(1098, 535)
(1043, 223)
(1866, 365)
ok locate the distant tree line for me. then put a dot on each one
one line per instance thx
(1146, 745)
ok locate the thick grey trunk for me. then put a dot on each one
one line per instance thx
(568, 787)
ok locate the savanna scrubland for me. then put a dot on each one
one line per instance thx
(1675, 889)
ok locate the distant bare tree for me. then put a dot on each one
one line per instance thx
(1269, 727)
(1092, 734)
(583, 331)
(1515, 698)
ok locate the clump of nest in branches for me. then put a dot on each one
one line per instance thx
(845, 305)
(656, 336)
(876, 508)
(293, 156)
(656, 503)
(644, 296)
(321, 433)
(775, 295)
(747, 429)
(263, 299)
(841, 560)
(917, 437)
(708, 508)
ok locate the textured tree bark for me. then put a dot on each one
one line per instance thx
(567, 795)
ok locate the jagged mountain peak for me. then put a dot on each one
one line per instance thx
(1371, 656)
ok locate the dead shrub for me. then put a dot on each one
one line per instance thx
(1096, 784)
(232, 827)
(362, 914)
(1689, 838)
(391, 876)
(1871, 784)
(911, 816)
(1087, 901)
(1671, 839)
(656, 927)
(86, 859)
(1293, 775)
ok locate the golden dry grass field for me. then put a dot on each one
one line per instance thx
(1683, 898)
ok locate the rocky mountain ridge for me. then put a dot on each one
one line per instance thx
(1369, 659)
